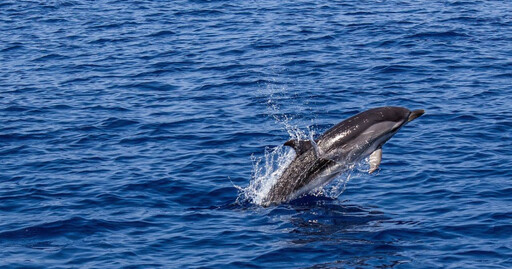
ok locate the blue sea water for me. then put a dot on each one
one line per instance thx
(131, 132)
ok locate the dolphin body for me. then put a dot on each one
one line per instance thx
(319, 161)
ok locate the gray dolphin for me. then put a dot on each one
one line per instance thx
(319, 161)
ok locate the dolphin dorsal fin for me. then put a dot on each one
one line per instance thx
(300, 146)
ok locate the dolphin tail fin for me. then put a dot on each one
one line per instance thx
(300, 146)
(375, 159)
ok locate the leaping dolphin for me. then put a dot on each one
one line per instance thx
(319, 161)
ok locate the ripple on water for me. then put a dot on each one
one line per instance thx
(127, 130)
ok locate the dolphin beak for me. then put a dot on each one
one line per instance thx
(415, 114)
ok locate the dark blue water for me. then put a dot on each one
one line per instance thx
(126, 127)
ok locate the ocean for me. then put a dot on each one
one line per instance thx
(138, 134)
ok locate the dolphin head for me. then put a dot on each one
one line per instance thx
(390, 118)
(401, 116)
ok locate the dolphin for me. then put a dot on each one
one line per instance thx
(319, 161)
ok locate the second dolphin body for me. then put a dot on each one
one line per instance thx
(319, 161)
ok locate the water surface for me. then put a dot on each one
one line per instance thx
(126, 125)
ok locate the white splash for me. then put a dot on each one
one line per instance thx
(265, 173)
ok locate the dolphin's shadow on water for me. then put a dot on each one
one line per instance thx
(321, 215)
(353, 235)
(350, 235)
